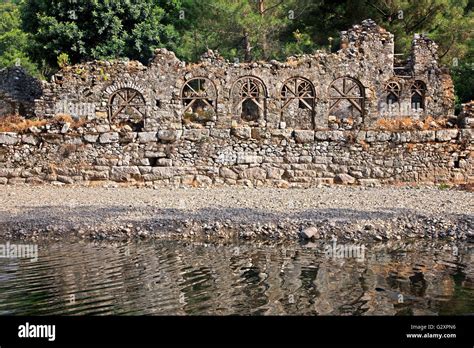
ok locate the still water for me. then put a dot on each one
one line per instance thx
(183, 278)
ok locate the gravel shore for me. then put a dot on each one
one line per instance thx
(349, 213)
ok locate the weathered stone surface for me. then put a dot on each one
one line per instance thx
(163, 172)
(220, 133)
(30, 139)
(16, 181)
(96, 175)
(344, 179)
(321, 135)
(383, 136)
(9, 138)
(369, 182)
(228, 173)
(195, 134)
(254, 173)
(310, 233)
(147, 137)
(242, 132)
(124, 173)
(281, 133)
(423, 136)
(304, 136)
(164, 162)
(337, 136)
(91, 138)
(65, 179)
(275, 173)
(446, 134)
(102, 128)
(168, 135)
(203, 181)
(246, 158)
(107, 138)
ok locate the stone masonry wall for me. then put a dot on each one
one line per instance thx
(343, 90)
(202, 157)
(308, 121)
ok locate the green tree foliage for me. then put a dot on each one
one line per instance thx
(449, 23)
(98, 29)
(246, 30)
(13, 41)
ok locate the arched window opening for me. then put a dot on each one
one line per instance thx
(127, 106)
(297, 97)
(393, 93)
(418, 93)
(347, 100)
(298, 88)
(248, 95)
(199, 97)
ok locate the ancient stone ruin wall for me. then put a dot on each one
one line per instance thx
(18, 92)
(345, 90)
(308, 121)
(203, 157)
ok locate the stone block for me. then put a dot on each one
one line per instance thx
(168, 135)
(108, 138)
(124, 173)
(163, 172)
(220, 133)
(310, 233)
(203, 180)
(102, 128)
(423, 136)
(164, 162)
(228, 173)
(344, 179)
(274, 173)
(322, 135)
(383, 136)
(91, 138)
(147, 137)
(446, 134)
(304, 136)
(242, 132)
(30, 139)
(337, 135)
(254, 173)
(9, 138)
(195, 134)
(281, 133)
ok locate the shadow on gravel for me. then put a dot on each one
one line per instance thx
(74, 216)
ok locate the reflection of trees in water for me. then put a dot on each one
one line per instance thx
(181, 278)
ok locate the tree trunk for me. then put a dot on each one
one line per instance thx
(247, 47)
(261, 10)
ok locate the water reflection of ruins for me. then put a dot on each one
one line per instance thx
(183, 278)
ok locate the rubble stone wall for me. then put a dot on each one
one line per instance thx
(303, 122)
(343, 90)
(203, 157)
